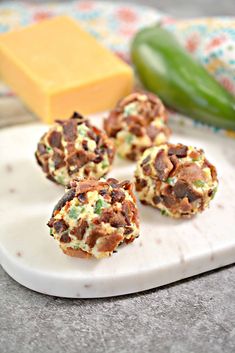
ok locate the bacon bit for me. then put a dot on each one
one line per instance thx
(99, 151)
(175, 161)
(54, 139)
(109, 242)
(195, 154)
(147, 169)
(146, 160)
(96, 221)
(179, 150)
(45, 168)
(80, 229)
(95, 234)
(85, 145)
(163, 165)
(87, 171)
(113, 123)
(212, 169)
(191, 172)
(140, 184)
(126, 184)
(58, 158)
(210, 192)
(157, 103)
(78, 116)
(152, 132)
(103, 192)
(110, 152)
(68, 196)
(112, 182)
(131, 193)
(42, 149)
(156, 200)
(167, 190)
(128, 230)
(136, 130)
(117, 220)
(106, 215)
(51, 222)
(128, 241)
(135, 120)
(169, 200)
(97, 131)
(60, 226)
(39, 161)
(129, 211)
(65, 238)
(129, 99)
(67, 206)
(70, 129)
(132, 155)
(71, 147)
(144, 202)
(92, 134)
(78, 158)
(182, 189)
(117, 196)
(76, 253)
(82, 198)
(73, 183)
(185, 206)
(89, 185)
(98, 159)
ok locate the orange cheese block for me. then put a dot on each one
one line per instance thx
(58, 68)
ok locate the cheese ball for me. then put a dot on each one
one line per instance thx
(94, 217)
(138, 122)
(74, 148)
(176, 179)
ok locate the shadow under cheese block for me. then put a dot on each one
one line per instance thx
(58, 68)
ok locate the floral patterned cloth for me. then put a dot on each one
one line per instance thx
(210, 40)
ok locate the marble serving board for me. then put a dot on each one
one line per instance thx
(166, 251)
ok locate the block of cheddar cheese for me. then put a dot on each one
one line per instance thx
(58, 68)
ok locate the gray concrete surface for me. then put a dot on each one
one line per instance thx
(192, 316)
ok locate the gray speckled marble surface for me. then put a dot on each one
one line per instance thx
(191, 316)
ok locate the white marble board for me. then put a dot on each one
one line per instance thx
(167, 250)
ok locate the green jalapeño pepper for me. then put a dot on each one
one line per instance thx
(165, 68)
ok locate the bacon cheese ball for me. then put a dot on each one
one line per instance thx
(74, 148)
(94, 217)
(176, 179)
(138, 122)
